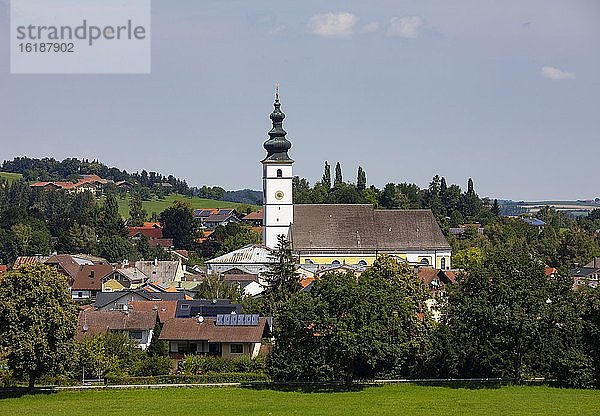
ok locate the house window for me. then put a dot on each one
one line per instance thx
(136, 335)
(308, 261)
(425, 261)
(335, 262)
(443, 263)
(236, 348)
(362, 263)
(279, 173)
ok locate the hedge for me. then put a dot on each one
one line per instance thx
(189, 379)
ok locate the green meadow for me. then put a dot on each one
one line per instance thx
(385, 400)
(10, 177)
(159, 205)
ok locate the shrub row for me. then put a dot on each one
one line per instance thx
(189, 379)
(198, 364)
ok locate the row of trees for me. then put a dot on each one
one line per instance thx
(504, 318)
(450, 204)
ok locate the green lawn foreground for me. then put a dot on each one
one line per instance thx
(385, 400)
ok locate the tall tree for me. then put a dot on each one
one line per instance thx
(361, 180)
(111, 223)
(137, 214)
(338, 174)
(327, 175)
(282, 280)
(179, 224)
(38, 320)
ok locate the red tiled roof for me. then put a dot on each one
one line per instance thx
(306, 281)
(3, 268)
(189, 329)
(549, 271)
(153, 224)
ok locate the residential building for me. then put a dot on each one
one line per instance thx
(137, 325)
(216, 336)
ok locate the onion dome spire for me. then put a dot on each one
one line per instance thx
(277, 145)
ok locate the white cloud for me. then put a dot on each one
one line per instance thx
(338, 25)
(556, 74)
(370, 27)
(405, 27)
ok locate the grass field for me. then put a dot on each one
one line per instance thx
(387, 400)
(159, 205)
(10, 176)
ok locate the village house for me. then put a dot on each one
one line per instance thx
(227, 335)
(137, 325)
(153, 231)
(117, 301)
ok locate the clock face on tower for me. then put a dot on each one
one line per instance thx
(279, 195)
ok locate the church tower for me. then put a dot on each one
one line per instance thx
(278, 207)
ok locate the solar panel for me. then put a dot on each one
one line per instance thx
(237, 319)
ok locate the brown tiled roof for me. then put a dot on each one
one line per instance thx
(161, 242)
(359, 227)
(427, 274)
(240, 277)
(189, 329)
(165, 308)
(254, 216)
(85, 281)
(100, 322)
(150, 232)
(66, 263)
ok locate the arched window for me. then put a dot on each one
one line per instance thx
(335, 263)
(308, 261)
(279, 173)
(443, 263)
(425, 261)
(362, 263)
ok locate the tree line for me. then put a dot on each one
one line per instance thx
(450, 204)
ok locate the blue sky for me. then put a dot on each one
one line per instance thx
(506, 92)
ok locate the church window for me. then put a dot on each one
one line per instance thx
(279, 173)
(443, 263)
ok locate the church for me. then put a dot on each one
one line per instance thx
(336, 234)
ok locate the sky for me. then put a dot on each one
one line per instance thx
(504, 91)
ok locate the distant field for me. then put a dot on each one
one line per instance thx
(159, 205)
(10, 176)
(387, 400)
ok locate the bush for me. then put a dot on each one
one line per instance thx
(576, 370)
(154, 366)
(198, 364)
(189, 379)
